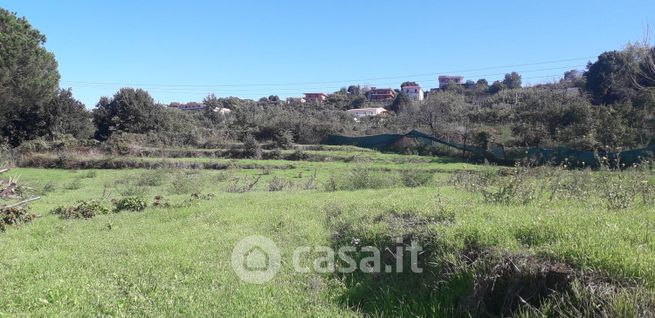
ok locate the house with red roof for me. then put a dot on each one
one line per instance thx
(381, 94)
(315, 98)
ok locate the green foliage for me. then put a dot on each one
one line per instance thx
(81, 210)
(610, 78)
(496, 87)
(64, 115)
(283, 139)
(252, 149)
(415, 178)
(512, 80)
(129, 110)
(401, 103)
(133, 204)
(28, 77)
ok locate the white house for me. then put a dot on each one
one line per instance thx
(366, 112)
(414, 92)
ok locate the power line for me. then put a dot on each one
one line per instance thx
(333, 82)
(261, 91)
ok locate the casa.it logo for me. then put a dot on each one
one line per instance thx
(256, 259)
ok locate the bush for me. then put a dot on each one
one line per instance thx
(132, 204)
(415, 178)
(358, 179)
(283, 139)
(277, 184)
(81, 210)
(252, 149)
(14, 216)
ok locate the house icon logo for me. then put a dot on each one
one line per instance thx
(256, 259)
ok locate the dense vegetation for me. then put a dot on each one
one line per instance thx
(610, 105)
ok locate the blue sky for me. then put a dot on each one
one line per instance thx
(183, 50)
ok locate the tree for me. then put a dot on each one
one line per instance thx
(212, 103)
(28, 79)
(482, 86)
(283, 139)
(646, 76)
(401, 103)
(129, 110)
(408, 84)
(274, 99)
(354, 90)
(251, 147)
(512, 80)
(496, 87)
(610, 78)
(67, 115)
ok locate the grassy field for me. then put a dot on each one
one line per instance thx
(174, 259)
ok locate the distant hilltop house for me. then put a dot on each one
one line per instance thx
(445, 80)
(187, 106)
(316, 98)
(381, 94)
(198, 106)
(414, 92)
(366, 112)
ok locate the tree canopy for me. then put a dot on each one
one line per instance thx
(28, 79)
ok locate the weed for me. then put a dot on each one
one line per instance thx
(49, 187)
(415, 178)
(241, 185)
(90, 174)
(515, 189)
(470, 181)
(151, 178)
(75, 184)
(278, 184)
(311, 182)
(132, 190)
(182, 184)
(133, 204)
(160, 202)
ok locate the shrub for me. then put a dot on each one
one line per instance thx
(358, 179)
(73, 185)
(515, 189)
(415, 178)
(91, 174)
(241, 185)
(133, 204)
(14, 216)
(297, 155)
(252, 149)
(151, 178)
(283, 139)
(81, 210)
(277, 184)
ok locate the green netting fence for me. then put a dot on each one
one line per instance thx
(499, 154)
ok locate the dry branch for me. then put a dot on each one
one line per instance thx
(24, 202)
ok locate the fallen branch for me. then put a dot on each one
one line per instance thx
(15, 205)
(4, 170)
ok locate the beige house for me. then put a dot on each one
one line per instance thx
(413, 92)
